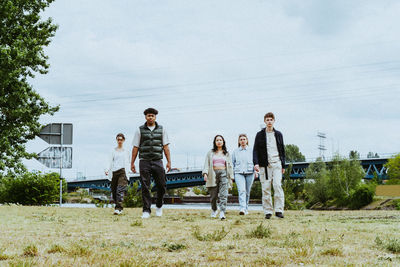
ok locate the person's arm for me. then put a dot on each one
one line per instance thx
(283, 154)
(135, 150)
(108, 172)
(233, 158)
(205, 168)
(168, 157)
(255, 156)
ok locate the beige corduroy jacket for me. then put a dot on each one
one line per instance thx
(209, 170)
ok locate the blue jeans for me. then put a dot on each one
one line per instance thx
(244, 182)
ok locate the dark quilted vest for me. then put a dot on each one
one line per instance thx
(151, 147)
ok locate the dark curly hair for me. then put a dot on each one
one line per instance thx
(215, 148)
(150, 111)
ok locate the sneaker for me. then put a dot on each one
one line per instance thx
(214, 213)
(222, 215)
(116, 212)
(246, 212)
(120, 212)
(279, 215)
(241, 212)
(145, 215)
(268, 216)
(159, 212)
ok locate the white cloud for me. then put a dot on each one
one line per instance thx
(217, 67)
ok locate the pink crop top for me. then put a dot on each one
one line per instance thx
(218, 161)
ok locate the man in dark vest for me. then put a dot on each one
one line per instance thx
(269, 161)
(151, 140)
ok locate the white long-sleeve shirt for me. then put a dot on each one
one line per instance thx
(119, 159)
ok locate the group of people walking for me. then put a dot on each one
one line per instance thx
(266, 160)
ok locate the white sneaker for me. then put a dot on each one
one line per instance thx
(145, 215)
(116, 212)
(246, 212)
(120, 212)
(222, 215)
(159, 212)
(214, 213)
(242, 212)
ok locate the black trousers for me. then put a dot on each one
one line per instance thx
(119, 184)
(155, 169)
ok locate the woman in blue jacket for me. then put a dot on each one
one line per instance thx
(242, 160)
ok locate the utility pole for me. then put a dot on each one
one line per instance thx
(321, 147)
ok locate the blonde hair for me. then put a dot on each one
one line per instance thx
(243, 135)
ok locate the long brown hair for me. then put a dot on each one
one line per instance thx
(215, 148)
(243, 135)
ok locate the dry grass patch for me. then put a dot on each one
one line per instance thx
(95, 237)
(332, 252)
(216, 235)
(31, 251)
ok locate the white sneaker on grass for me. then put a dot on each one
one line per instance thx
(159, 212)
(214, 213)
(145, 215)
(246, 212)
(116, 212)
(120, 212)
(222, 215)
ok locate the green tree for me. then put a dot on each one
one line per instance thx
(372, 155)
(318, 187)
(354, 154)
(393, 167)
(293, 154)
(23, 37)
(345, 176)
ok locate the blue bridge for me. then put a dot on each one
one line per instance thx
(194, 178)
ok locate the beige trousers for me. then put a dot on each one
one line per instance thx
(274, 171)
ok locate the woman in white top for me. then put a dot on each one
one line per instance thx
(218, 174)
(119, 166)
(242, 160)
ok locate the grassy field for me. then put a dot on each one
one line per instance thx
(52, 236)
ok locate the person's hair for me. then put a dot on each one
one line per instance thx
(269, 115)
(150, 111)
(215, 148)
(243, 135)
(120, 135)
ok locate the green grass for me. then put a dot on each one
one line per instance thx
(216, 235)
(53, 236)
(259, 232)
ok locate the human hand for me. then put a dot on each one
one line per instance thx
(168, 166)
(133, 169)
(205, 177)
(257, 168)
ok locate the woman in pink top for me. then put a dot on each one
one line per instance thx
(218, 174)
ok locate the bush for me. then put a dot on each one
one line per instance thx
(393, 181)
(234, 190)
(294, 191)
(337, 185)
(362, 196)
(133, 197)
(256, 192)
(393, 167)
(200, 190)
(31, 188)
(317, 189)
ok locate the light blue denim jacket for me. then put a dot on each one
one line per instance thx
(242, 160)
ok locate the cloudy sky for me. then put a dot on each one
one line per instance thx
(216, 67)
